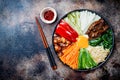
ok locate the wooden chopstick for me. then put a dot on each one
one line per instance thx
(44, 40)
(41, 34)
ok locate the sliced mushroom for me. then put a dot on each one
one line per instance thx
(57, 48)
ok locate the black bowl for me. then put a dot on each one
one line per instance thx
(107, 22)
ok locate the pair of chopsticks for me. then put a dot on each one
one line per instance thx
(49, 53)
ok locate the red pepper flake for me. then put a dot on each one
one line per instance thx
(49, 15)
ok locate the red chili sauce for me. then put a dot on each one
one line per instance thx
(49, 15)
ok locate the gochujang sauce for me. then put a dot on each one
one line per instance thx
(49, 15)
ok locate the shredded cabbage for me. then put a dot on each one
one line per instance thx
(80, 21)
(74, 20)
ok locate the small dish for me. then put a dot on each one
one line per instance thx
(48, 15)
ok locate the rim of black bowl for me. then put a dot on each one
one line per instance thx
(107, 22)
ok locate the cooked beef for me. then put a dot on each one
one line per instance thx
(97, 28)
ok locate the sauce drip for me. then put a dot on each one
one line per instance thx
(49, 15)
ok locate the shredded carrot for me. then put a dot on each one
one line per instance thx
(69, 49)
(71, 53)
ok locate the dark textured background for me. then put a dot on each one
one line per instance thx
(22, 55)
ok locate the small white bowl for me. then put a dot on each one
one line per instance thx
(42, 15)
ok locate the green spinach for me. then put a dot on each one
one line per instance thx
(104, 40)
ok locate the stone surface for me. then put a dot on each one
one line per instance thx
(22, 55)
